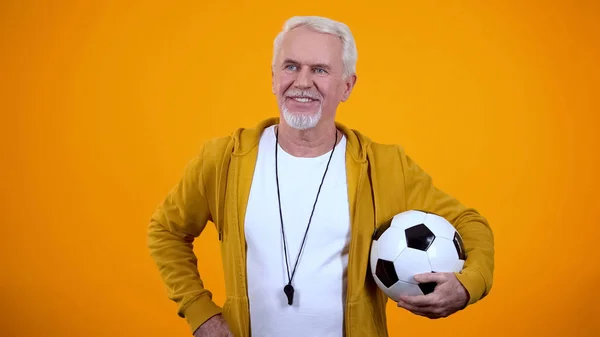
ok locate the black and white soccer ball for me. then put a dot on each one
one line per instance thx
(414, 242)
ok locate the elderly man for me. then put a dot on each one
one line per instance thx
(295, 201)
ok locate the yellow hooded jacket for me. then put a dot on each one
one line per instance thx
(382, 182)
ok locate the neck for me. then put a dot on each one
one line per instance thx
(307, 143)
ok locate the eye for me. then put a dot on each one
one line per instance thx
(320, 71)
(291, 67)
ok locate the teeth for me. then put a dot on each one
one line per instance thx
(302, 99)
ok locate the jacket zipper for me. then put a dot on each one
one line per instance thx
(350, 283)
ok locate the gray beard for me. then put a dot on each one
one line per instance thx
(301, 121)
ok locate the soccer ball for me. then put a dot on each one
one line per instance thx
(414, 242)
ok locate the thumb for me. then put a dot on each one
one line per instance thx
(429, 277)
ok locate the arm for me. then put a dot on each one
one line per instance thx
(178, 220)
(478, 238)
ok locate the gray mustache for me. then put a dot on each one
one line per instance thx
(302, 93)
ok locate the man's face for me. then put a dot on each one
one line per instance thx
(307, 77)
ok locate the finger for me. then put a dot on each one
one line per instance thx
(420, 300)
(421, 311)
(431, 277)
(411, 307)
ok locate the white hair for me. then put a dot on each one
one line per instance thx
(323, 25)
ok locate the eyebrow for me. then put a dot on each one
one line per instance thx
(316, 65)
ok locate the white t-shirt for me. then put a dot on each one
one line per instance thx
(320, 278)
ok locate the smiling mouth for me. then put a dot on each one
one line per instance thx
(303, 99)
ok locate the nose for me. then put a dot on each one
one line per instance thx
(303, 79)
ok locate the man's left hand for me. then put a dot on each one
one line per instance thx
(448, 296)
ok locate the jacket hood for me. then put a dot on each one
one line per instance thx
(246, 139)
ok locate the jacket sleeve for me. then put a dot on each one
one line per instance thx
(477, 235)
(177, 221)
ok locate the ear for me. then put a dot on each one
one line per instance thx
(272, 82)
(349, 85)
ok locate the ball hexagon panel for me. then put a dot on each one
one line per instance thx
(419, 237)
(411, 262)
(408, 219)
(390, 244)
(440, 226)
(402, 288)
(442, 255)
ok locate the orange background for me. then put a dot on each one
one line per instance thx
(104, 102)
